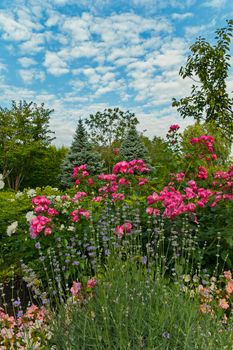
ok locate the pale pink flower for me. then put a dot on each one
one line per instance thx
(97, 199)
(84, 213)
(52, 211)
(227, 275)
(47, 231)
(149, 210)
(91, 283)
(118, 196)
(223, 304)
(75, 289)
(229, 287)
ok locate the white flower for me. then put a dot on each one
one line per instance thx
(31, 193)
(1, 184)
(71, 228)
(12, 228)
(29, 216)
(18, 194)
(1, 177)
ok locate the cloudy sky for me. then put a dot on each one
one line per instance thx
(81, 56)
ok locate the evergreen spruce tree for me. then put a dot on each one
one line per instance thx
(81, 152)
(133, 148)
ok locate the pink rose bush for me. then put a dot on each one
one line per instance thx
(191, 190)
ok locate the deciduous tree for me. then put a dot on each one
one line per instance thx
(110, 126)
(24, 131)
(208, 66)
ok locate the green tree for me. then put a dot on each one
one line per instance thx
(81, 152)
(208, 66)
(133, 148)
(163, 159)
(110, 126)
(24, 132)
(45, 168)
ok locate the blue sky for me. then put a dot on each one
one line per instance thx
(81, 56)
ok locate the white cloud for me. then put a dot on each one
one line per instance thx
(215, 3)
(3, 66)
(182, 16)
(115, 86)
(12, 30)
(157, 123)
(78, 27)
(155, 79)
(77, 85)
(27, 62)
(199, 29)
(30, 75)
(54, 64)
(9, 93)
(35, 44)
(53, 18)
(27, 19)
(168, 59)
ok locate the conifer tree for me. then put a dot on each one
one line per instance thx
(81, 152)
(133, 148)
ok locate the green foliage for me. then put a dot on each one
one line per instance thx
(110, 126)
(18, 245)
(214, 222)
(209, 99)
(24, 134)
(81, 152)
(163, 158)
(45, 168)
(133, 148)
(131, 310)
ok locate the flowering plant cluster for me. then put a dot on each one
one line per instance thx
(80, 292)
(123, 229)
(173, 137)
(132, 167)
(51, 218)
(191, 196)
(191, 189)
(49, 213)
(216, 296)
(25, 330)
(205, 142)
